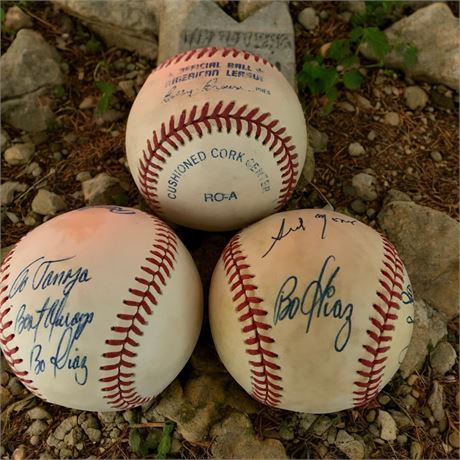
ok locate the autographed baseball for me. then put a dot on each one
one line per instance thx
(311, 311)
(101, 308)
(216, 139)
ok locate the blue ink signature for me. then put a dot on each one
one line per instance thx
(314, 302)
(407, 297)
(51, 316)
(334, 219)
(282, 234)
(44, 276)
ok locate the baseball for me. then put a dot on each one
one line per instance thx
(216, 139)
(311, 311)
(101, 308)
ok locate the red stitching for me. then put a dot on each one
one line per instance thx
(200, 53)
(6, 336)
(264, 372)
(390, 289)
(120, 389)
(228, 117)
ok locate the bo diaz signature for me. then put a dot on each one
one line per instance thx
(64, 327)
(317, 298)
(283, 232)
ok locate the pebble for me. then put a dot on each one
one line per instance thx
(384, 399)
(30, 220)
(19, 453)
(308, 18)
(5, 396)
(87, 103)
(415, 97)
(13, 217)
(391, 118)
(127, 86)
(9, 189)
(401, 439)
(4, 378)
(15, 386)
(351, 447)
(388, 428)
(372, 135)
(415, 393)
(416, 450)
(412, 380)
(34, 440)
(355, 149)
(365, 186)
(358, 206)
(34, 169)
(47, 203)
(65, 427)
(37, 428)
(454, 439)
(442, 358)
(345, 106)
(38, 413)
(82, 176)
(16, 19)
(436, 156)
(371, 415)
(19, 153)
(93, 434)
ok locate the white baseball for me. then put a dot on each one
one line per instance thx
(100, 308)
(216, 139)
(311, 311)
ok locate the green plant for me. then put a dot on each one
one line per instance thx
(165, 442)
(107, 90)
(338, 66)
(145, 442)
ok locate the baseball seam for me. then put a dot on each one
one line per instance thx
(226, 117)
(391, 287)
(264, 372)
(6, 337)
(210, 52)
(120, 385)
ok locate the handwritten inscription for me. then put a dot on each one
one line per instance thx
(318, 300)
(197, 38)
(64, 328)
(283, 233)
(336, 219)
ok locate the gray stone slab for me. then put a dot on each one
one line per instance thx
(268, 32)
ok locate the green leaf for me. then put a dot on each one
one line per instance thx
(317, 78)
(349, 61)
(153, 439)
(339, 50)
(377, 41)
(93, 45)
(135, 441)
(59, 91)
(165, 442)
(356, 33)
(2, 14)
(107, 90)
(410, 56)
(106, 87)
(352, 79)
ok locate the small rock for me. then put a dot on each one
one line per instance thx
(34, 440)
(321, 425)
(247, 8)
(65, 427)
(16, 19)
(371, 416)
(355, 149)
(101, 189)
(31, 220)
(127, 86)
(109, 116)
(287, 429)
(65, 453)
(93, 434)
(19, 153)
(436, 404)
(37, 428)
(4, 378)
(12, 216)
(19, 453)
(372, 135)
(308, 18)
(317, 139)
(15, 386)
(38, 413)
(365, 186)
(350, 446)
(358, 206)
(387, 424)
(391, 118)
(395, 195)
(8, 191)
(454, 439)
(306, 421)
(401, 439)
(442, 358)
(73, 436)
(107, 418)
(47, 203)
(4, 140)
(345, 106)
(383, 399)
(5, 397)
(436, 156)
(412, 380)
(34, 169)
(415, 97)
(88, 103)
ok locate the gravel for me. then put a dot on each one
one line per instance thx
(355, 149)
